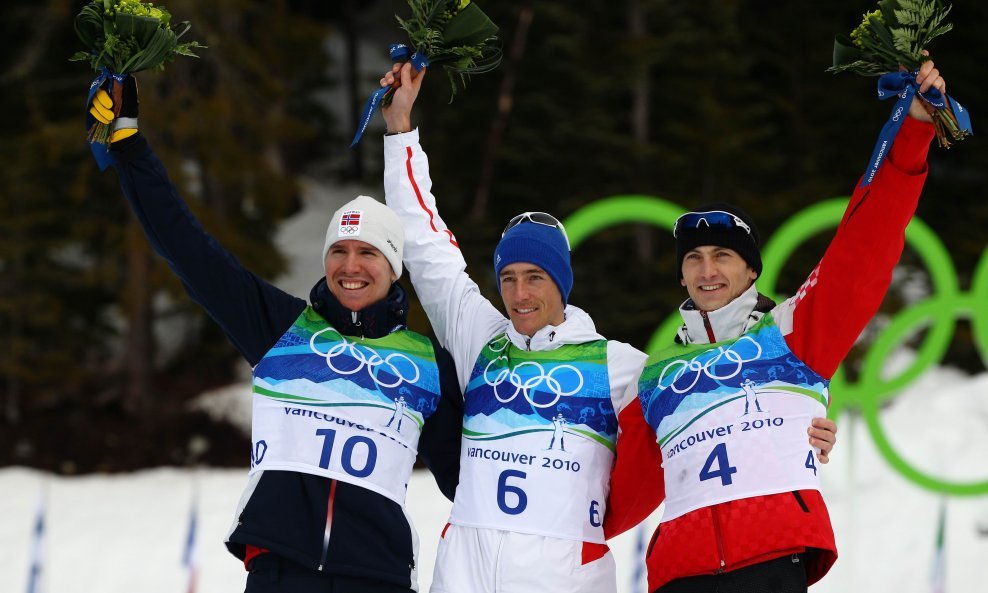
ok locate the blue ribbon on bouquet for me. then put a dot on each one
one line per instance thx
(903, 85)
(100, 150)
(399, 52)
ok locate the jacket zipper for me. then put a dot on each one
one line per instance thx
(720, 542)
(329, 525)
(708, 327)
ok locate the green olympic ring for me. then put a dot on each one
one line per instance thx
(937, 314)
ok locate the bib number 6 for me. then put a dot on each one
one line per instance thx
(519, 497)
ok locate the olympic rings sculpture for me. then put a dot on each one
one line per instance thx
(374, 363)
(937, 314)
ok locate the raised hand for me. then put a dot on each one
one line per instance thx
(407, 83)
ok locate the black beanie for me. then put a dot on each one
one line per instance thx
(746, 245)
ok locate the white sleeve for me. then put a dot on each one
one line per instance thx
(463, 320)
(624, 365)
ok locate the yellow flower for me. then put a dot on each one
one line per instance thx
(864, 29)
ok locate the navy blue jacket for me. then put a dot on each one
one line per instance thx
(285, 512)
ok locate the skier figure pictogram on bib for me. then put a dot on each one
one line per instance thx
(399, 412)
(558, 422)
(750, 395)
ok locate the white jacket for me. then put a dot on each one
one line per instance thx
(465, 321)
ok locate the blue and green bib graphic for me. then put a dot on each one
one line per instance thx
(513, 391)
(680, 385)
(314, 365)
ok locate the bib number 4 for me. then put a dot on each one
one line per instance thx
(723, 470)
(718, 465)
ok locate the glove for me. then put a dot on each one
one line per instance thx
(119, 106)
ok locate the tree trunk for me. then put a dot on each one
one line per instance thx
(505, 102)
(640, 120)
(140, 339)
(351, 84)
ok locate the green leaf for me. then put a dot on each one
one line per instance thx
(89, 25)
(881, 31)
(141, 28)
(888, 8)
(845, 51)
(470, 26)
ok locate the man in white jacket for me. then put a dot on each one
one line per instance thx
(525, 518)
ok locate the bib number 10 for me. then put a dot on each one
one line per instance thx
(347, 454)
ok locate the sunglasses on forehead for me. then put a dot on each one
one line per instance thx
(537, 218)
(715, 219)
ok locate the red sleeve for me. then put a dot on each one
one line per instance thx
(845, 290)
(637, 483)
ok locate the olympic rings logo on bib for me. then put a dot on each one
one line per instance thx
(552, 381)
(705, 363)
(392, 363)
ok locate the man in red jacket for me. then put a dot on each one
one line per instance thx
(743, 508)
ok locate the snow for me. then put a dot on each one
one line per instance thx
(126, 532)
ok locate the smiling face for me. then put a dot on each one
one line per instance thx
(714, 276)
(358, 274)
(531, 298)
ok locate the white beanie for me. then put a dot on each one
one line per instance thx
(365, 219)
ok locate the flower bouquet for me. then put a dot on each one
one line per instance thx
(122, 37)
(892, 38)
(454, 34)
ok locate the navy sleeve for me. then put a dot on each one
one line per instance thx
(252, 313)
(439, 445)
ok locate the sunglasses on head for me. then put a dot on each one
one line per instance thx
(537, 218)
(715, 219)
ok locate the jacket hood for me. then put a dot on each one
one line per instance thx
(577, 328)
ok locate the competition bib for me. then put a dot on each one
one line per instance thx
(538, 441)
(731, 419)
(345, 408)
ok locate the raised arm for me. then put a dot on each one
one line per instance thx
(832, 308)
(251, 312)
(460, 315)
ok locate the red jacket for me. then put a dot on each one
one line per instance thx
(825, 324)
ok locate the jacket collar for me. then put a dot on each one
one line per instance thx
(730, 321)
(577, 328)
(374, 321)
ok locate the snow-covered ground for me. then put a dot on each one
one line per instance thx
(126, 533)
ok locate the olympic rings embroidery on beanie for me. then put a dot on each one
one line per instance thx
(373, 364)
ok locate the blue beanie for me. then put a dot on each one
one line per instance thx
(537, 244)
